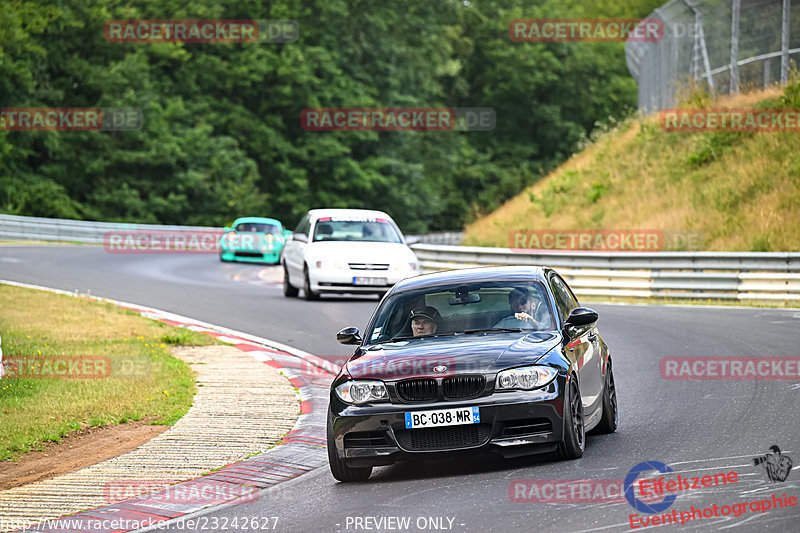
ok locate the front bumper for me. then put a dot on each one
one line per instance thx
(512, 424)
(342, 280)
(251, 256)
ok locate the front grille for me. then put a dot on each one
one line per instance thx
(368, 266)
(248, 254)
(417, 390)
(366, 439)
(463, 386)
(444, 438)
(529, 426)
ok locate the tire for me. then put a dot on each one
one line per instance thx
(610, 419)
(339, 469)
(574, 442)
(289, 290)
(308, 294)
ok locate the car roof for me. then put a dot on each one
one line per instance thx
(473, 275)
(263, 220)
(319, 213)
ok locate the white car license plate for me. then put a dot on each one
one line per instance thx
(369, 281)
(443, 417)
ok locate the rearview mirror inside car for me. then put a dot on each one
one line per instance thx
(349, 335)
(471, 298)
(581, 316)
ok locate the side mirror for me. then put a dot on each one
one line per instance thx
(581, 316)
(299, 237)
(287, 233)
(349, 335)
(226, 229)
(412, 239)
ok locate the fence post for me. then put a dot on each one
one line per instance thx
(734, 89)
(767, 73)
(785, 41)
(700, 50)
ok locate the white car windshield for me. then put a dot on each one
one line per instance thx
(470, 308)
(355, 229)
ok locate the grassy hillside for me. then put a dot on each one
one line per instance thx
(740, 190)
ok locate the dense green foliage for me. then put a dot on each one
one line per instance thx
(222, 136)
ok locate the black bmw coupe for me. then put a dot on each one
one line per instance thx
(491, 359)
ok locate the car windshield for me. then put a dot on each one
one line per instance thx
(464, 309)
(257, 227)
(355, 229)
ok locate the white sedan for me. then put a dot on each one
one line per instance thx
(345, 250)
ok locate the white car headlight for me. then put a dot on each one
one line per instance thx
(525, 377)
(404, 267)
(331, 265)
(359, 392)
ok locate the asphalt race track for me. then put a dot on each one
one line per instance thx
(696, 427)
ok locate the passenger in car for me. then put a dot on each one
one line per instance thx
(524, 309)
(425, 321)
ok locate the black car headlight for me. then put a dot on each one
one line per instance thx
(359, 392)
(525, 377)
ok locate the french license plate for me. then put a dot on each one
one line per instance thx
(443, 417)
(369, 281)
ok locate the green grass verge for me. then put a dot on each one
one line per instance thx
(142, 382)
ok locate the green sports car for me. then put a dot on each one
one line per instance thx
(253, 240)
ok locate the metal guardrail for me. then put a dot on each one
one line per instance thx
(453, 238)
(13, 227)
(698, 275)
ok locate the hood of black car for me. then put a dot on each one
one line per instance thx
(450, 355)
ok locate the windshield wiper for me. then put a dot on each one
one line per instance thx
(495, 330)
